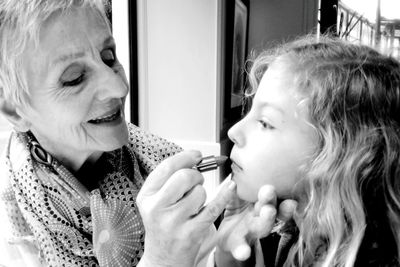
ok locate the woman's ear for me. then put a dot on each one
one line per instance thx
(9, 111)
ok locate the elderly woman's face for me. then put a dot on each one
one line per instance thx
(77, 87)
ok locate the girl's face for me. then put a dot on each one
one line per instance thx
(274, 140)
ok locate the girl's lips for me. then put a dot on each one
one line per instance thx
(235, 167)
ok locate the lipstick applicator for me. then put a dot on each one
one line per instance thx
(210, 163)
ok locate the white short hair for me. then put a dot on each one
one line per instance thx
(20, 23)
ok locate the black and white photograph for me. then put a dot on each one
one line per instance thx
(201, 133)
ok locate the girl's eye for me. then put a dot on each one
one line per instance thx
(73, 76)
(266, 125)
(108, 57)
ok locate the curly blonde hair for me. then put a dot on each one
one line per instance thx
(351, 214)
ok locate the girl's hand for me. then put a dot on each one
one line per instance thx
(175, 220)
(246, 222)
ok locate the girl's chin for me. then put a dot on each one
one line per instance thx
(246, 194)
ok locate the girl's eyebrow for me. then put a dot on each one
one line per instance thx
(272, 105)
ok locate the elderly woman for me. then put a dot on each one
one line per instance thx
(72, 169)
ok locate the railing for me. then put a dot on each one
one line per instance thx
(354, 27)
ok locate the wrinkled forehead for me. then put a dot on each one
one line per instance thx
(74, 23)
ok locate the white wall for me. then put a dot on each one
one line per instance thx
(181, 67)
(178, 73)
(121, 36)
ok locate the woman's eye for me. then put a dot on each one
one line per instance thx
(72, 76)
(108, 57)
(74, 82)
(266, 125)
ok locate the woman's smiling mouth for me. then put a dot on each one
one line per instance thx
(108, 118)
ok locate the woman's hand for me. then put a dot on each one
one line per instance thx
(171, 205)
(246, 222)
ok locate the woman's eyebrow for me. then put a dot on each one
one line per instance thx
(109, 41)
(67, 57)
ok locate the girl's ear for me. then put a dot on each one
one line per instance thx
(9, 111)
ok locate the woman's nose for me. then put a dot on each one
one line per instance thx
(236, 135)
(112, 84)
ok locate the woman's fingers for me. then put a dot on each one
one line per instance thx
(240, 231)
(158, 177)
(192, 202)
(286, 209)
(214, 209)
(157, 197)
(178, 185)
(169, 202)
(265, 221)
(266, 195)
(241, 250)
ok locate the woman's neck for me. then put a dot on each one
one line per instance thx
(90, 173)
(73, 160)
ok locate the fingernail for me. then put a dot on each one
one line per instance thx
(268, 212)
(198, 154)
(231, 185)
(241, 253)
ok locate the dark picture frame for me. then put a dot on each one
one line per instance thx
(235, 37)
(235, 25)
(133, 62)
(238, 53)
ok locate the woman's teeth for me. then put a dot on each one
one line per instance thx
(107, 118)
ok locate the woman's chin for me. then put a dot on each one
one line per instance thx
(115, 140)
(119, 142)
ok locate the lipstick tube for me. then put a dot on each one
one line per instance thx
(210, 163)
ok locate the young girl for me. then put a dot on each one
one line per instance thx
(324, 129)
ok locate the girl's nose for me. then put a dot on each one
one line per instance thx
(236, 135)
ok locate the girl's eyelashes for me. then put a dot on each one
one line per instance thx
(266, 125)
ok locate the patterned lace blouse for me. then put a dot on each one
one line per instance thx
(68, 224)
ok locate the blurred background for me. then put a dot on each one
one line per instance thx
(373, 22)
